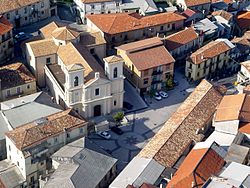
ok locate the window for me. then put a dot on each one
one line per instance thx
(81, 130)
(92, 6)
(198, 74)
(8, 93)
(16, 12)
(25, 10)
(117, 4)
(28, 86)
(161, 28)
(32, 179)
(199, 66)
(17, 163)
(97, 91)
(76, 81)
(48, 60)
(68, 135)
(115, 72)
(126, 37)
(9, 148)
(18, 90)
(92, 50)
(113, 39)
(55, 140)
(146, 72)
(42, 4)
(8, 16)
(25, 18)
(145, 81)
(114, 103)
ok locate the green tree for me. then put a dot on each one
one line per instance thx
(118, 117)
(169, 83)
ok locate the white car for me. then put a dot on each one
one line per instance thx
(157, 96)
(104, 134)
(163, 94)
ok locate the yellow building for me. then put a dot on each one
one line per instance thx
(148, 64)
(16, 80)
(209, 59)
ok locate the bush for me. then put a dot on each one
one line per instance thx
(118, 117)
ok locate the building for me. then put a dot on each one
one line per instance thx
(192, 16)
(80, 163)
(23, 12)
(121, 28)
(243, 75)
(202, 6)
(242, 22)
(88, 7)
(202, 162)
(73, 75)
(234, 175)
(29, 146)
(139, 171)
(6, 40)
(227, 20)
(183, 42)
(242, 45)
(16, 80)
(148, 64)
(22, 110)
(211, 58)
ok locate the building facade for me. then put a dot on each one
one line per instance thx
(22, 12)
(30, 146)
(202, 6)
(211, 58)
(6, 40)
(15, 81)
(73, 75)
(148, 64)
(243, 76)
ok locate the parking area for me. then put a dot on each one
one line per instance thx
(143, 124)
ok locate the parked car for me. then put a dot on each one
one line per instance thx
(157, 96)
(176, 83)
(116, 130)
(104, 134)
(21, 36)
(127, 105)
(163, 94)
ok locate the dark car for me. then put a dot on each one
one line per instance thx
(116, 130)
(127, 106)
(21, 37)
(176, 83)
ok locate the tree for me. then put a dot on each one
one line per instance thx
(169, 83)
(118, 117)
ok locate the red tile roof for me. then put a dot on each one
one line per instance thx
(188, 13)
(124, 22)
(226, 15)
(5, 25)
(197, 167)
(180, 38)
(245, 128)
(191, 3)
(148, 53)
(210, 50)
(243, 19)
(32, 133)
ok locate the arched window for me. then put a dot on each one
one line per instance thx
(76, 80)
(115, 72)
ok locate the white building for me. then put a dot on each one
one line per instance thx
(30, 145)
(244, 73)
(73, 75)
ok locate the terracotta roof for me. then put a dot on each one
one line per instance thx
(148, 53)
(92, 39)
(48, 29)
(43, 47)
(247, 35)
(188, 13)
(10, 5)
(95, 1)
(113, 59)
(34, 133)
(5, 25)
(210, 50)
(191, 3)
(15, 74)
(180, 38)
(124, 22)
(197, 167)
(230, 107)
(245, 128)
(65, 34)
(226, 15)
(180, 130)
(243, 19)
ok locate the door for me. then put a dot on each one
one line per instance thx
(18, 22)
(53, 12)
(97, 110)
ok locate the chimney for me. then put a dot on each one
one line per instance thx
(97, 75)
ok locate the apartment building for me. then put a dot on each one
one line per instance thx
(16, 80)
(23, 12)
(211, 58)
(182, 43)
(202, 6)
(242, 22)
(148, 64)
(243, 76)
(6, 40)
(121, 28)
(30, 145)
(73, 75)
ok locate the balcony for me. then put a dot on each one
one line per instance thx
(156, 72)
